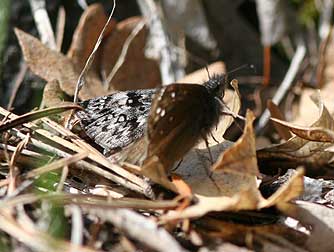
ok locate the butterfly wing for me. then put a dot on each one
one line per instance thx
(116, 120)
(180, 115)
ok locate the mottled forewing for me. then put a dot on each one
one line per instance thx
(116, 120)
(177, 116)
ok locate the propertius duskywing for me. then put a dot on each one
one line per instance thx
(180, 115)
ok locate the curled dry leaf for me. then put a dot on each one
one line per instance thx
(319, 218)
(247, 199)
(317, 134)
(241, 157)
(236, 191)
(308, 148)
(276, 113)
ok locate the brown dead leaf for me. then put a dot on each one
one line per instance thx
(86, 34)
(195, 170)
(276, 113)
(288, 191)
(234, 104)
(53, 95)
(137, 71)
(299, 150)
(51, 65)
(243, 196)
(182, 188)
(154, 170)
(319, 218)
(317, 134)
(241, 157)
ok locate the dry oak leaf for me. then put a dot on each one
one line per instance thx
(241, 157)
(236, 191)
(248, 199)
(51, 65)
(308, 147)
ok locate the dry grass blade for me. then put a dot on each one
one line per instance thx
(122, 56)
(56, 165)
(31, 116)
(61, 20)
(90, 200)
(63, 177)
(93, 153)
(122, 177)
(13, 171)
(81, 80)
(34, 239)
(18, 82)
(43, 23)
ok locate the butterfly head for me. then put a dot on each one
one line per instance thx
(216, 85)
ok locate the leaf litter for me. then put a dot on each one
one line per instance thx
(212, 198)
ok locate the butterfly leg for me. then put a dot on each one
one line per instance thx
(208, 171)
(209, 151)
(177, 166)
(213, 137)
(227, 111)
(231, 113)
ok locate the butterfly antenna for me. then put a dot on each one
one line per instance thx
(207, 70)
(251, 66)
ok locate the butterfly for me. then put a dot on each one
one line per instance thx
(175, 117)
(117, 120)
(181, 115)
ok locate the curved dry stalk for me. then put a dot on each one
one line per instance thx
(31, 116)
